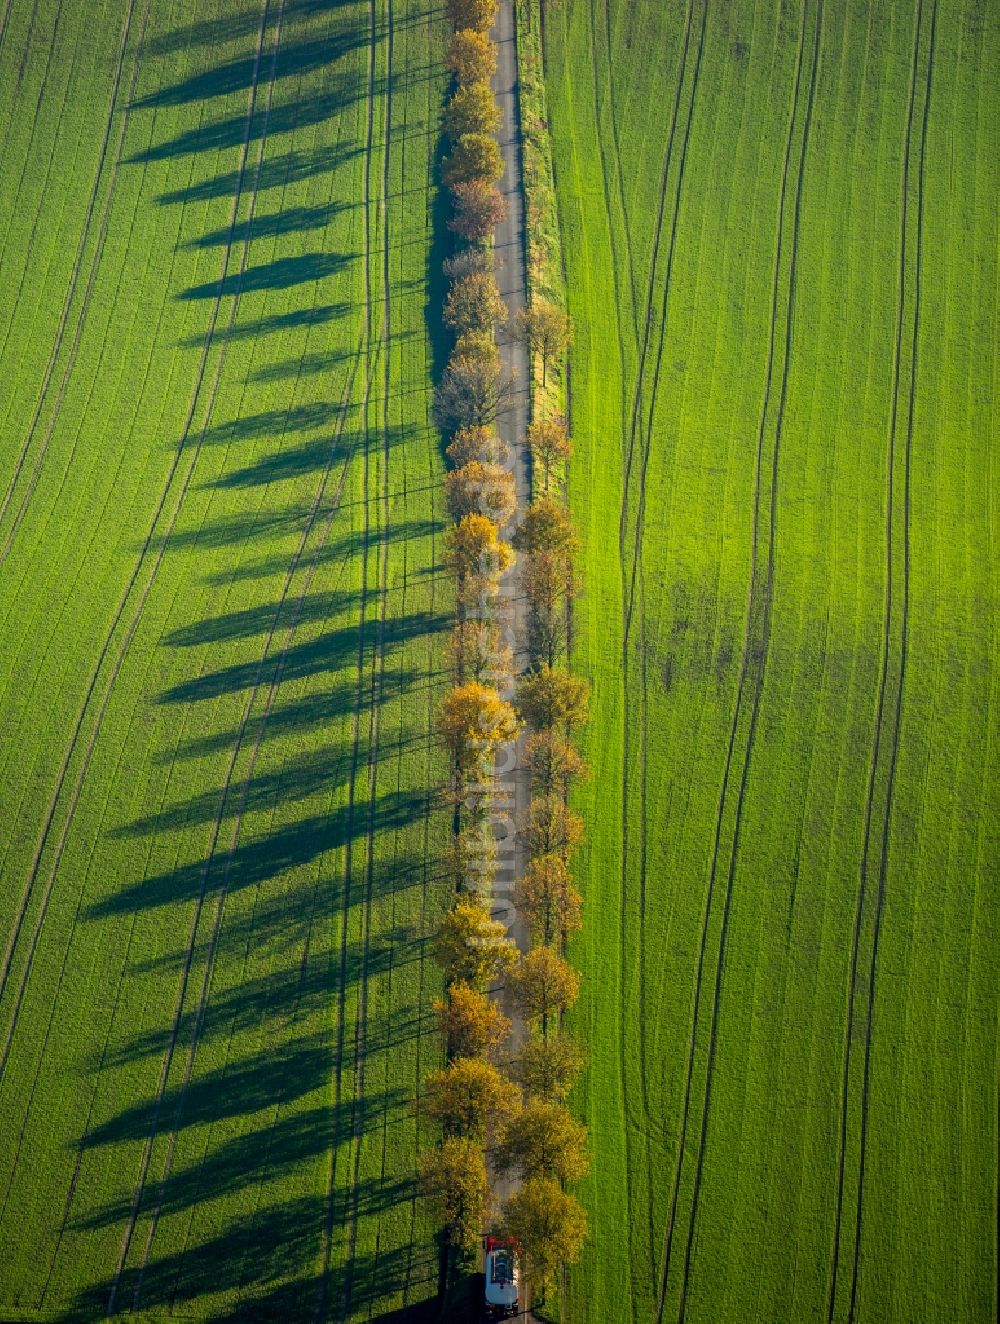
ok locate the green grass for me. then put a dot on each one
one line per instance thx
(219, 525)
(779, 228)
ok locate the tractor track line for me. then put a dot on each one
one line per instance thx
(17, 191)
(27, 157)
(619, 173)
(637, 570)
(378, 661)
(623, 925)
(322, 1304)
(74, 278)
(746, 661)
(377, 676)
(882, 720)
(123, 600)
(425, 879)
(647, 440)
(641, 368)
(768, 603)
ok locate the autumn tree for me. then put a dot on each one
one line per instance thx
(552, 696)
(475, 14)
(473, 304)
(544, 328)
(551, 827)
(548, 581)
(549, 443)
(543, 982)
(470, 860)
(478, 651)
(481, 489)
(473, 721)
(473, 109)
(476, 555)
(554, 763)
(543, 1140)
(472, 947)
(545, 895)
(479, 347)
(471, 57)
(550, 1226)
(547, 527)
(467, 262)
(471, 1024)
(478, 208)
(468, 1096)
(472, 393)
(547, 1066)
(482, 444)
(453, 1178)
(474, 156)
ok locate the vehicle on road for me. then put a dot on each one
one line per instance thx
(502, 1279)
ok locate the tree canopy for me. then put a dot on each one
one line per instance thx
(543, 982)
(471, 947)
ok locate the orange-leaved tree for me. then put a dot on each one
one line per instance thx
(453, 1178)
(545, 895)
(469, 1095)
(473, 303)
(473, 109)
(552, 828)
(476, 14)
(552, 696)
(471, 947)
(548, 1065)
(550, 1225)
(472, 1025)
(474, 156)
(481, 489)
(549, 443)
(476, 555)
(543, 1140)
(543, 982)
(471, 56)
(474, 720)
(479, 208)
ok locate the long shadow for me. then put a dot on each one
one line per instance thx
(294, 59)
(309, 457)
(293, 220)
(280, 274)
(273, 323)
(256, 861)
(274, 172)
(219, 135)
(327, 652)
(279, 997)
(250, 622)
(333, 551)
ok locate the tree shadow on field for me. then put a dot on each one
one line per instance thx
(278, 863)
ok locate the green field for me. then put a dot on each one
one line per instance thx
(780, 234)
(220, 518)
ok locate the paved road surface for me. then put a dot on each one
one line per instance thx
(510, 271)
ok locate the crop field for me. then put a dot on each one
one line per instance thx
(219, 525)
(779, 225)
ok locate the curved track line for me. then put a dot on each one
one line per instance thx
(132, 627)
(883, 729)
(759, 600)
(95, 264)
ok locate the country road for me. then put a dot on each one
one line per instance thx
(510, 265)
